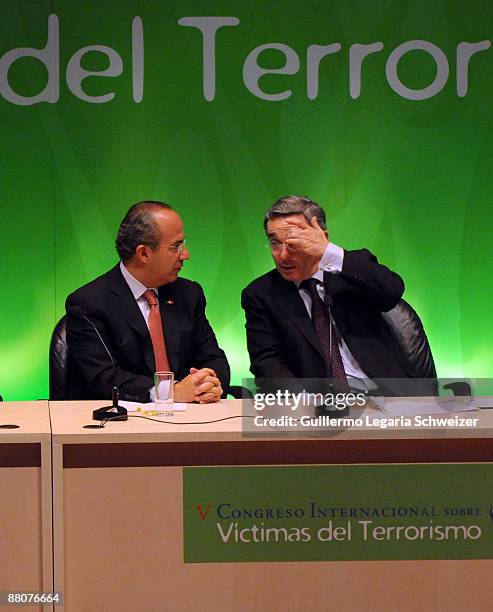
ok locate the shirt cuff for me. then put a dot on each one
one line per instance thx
(163, 390)
(332, 259)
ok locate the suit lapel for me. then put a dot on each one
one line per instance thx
(127, 306)
(289, 300)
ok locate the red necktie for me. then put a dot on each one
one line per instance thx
(156, 331)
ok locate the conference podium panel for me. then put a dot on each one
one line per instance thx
(26, 560)
(119, 517)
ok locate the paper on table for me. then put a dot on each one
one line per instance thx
(151, 406)
(484, 403)
(430, 405)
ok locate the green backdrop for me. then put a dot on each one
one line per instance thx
(409, 179)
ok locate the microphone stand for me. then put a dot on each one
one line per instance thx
(101, 414)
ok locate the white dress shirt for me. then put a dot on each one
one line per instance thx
(138, 290)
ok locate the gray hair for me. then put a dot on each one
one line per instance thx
(295, 205)
(138, 227)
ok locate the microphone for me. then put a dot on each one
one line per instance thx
(101, 414)
(77, 310)
(328, 301)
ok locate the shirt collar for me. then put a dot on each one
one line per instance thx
(319, 275)
(331, 261)
(136, 287)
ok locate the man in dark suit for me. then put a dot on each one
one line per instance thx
(287, 338)
(127, 323)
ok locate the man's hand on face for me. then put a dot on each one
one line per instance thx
(200, 386)
(310, 239)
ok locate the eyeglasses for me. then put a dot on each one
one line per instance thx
(175, 248)
(276, 245)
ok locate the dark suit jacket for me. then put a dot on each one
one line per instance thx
(281, 338)
(111, 307)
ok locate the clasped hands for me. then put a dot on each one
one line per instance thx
(202, 386)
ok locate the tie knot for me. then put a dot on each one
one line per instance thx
(150, 297)
(310, 284)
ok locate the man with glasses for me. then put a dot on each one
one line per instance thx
(318, 314)
(140, 317)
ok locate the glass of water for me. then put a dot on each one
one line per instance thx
(163, 386)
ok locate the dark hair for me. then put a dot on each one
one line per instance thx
(295, 205)
(138, 227)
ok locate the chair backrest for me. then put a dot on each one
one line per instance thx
(410, 334)
(59, 361)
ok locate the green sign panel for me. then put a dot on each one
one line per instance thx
(323, 513)
(381, 111)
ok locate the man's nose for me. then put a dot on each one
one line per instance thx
(184, 254)
(283, 252)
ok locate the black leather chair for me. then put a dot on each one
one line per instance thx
(59, 378)
(59, 383)
(410, 334)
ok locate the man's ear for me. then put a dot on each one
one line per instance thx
(142, 252)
